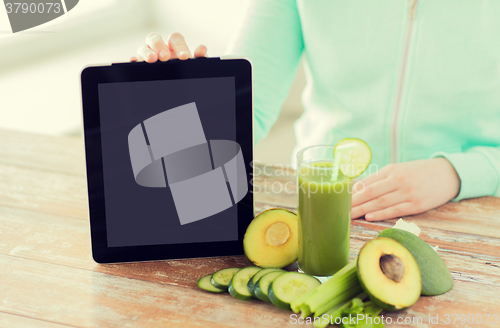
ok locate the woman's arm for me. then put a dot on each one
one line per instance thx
(478, 169)
(271, 37)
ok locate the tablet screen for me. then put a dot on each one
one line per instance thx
(172, 169)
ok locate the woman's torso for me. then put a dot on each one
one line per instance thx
(408, 81)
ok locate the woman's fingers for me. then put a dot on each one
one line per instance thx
(372, 178)
(201, 51)
(178, 45)
(155, 42)
(363, 194)
(401, 209)
(146, 54)
(378, 204)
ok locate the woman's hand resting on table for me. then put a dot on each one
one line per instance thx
(175, 47)
(404, 189)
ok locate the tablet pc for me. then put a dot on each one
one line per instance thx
(168, 149)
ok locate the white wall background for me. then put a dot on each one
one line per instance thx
(39, 68)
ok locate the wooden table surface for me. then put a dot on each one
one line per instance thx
(48, 278)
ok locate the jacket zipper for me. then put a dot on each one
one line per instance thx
(402, 76)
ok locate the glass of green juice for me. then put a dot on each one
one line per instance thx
(324, 212)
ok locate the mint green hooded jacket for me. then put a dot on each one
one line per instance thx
(414, 79)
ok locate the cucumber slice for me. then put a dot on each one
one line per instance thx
(204, 283)
(252, 282)
(353, 156)
(289, 286)
(238, 285)
(262, 287)
(222, 278)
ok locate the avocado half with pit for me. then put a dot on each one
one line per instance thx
(389, 274)
(271, 239)
(436, 277)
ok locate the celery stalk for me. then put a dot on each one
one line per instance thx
(339, 288)
(321, 298)
(346, 295)
(333, 313)
(351, 265)
(338, 279)
(305, 311)
(348, 280)
(297, 304)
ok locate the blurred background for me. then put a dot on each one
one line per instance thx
(40, 67)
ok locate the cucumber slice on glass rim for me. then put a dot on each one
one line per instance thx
(352, 156)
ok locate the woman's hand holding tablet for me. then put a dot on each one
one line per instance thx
(175, 47)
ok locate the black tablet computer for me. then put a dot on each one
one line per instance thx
(169, 150)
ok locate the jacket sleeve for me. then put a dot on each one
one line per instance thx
(271, 38)
(478, 169)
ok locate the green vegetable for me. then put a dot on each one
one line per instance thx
(436, 277)
(204, 283)
(344, 296)
(238, 285)
(262, 287)
(271, 239)
(253, 282)
(333, 314)
(328, 285)
(389, 274)
(353, 309)
(341, 287)
(289, 286)
(369, 311)
(222, 278)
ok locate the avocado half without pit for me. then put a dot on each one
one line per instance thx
(389, 274)
(271, 239)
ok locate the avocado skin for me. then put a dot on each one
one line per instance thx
(436, 277)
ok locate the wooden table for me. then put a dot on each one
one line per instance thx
(48, 278)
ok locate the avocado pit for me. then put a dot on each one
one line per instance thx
(277, 234)
(392, 267)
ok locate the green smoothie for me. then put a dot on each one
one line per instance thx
(324, 212)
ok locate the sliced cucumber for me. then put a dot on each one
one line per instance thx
(204, 283)
(289, 286)
(222, 278)
(353, 156)
(252, 282)
(262, 286)
(238, 285)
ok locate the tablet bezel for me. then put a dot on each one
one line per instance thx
(196, 68)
